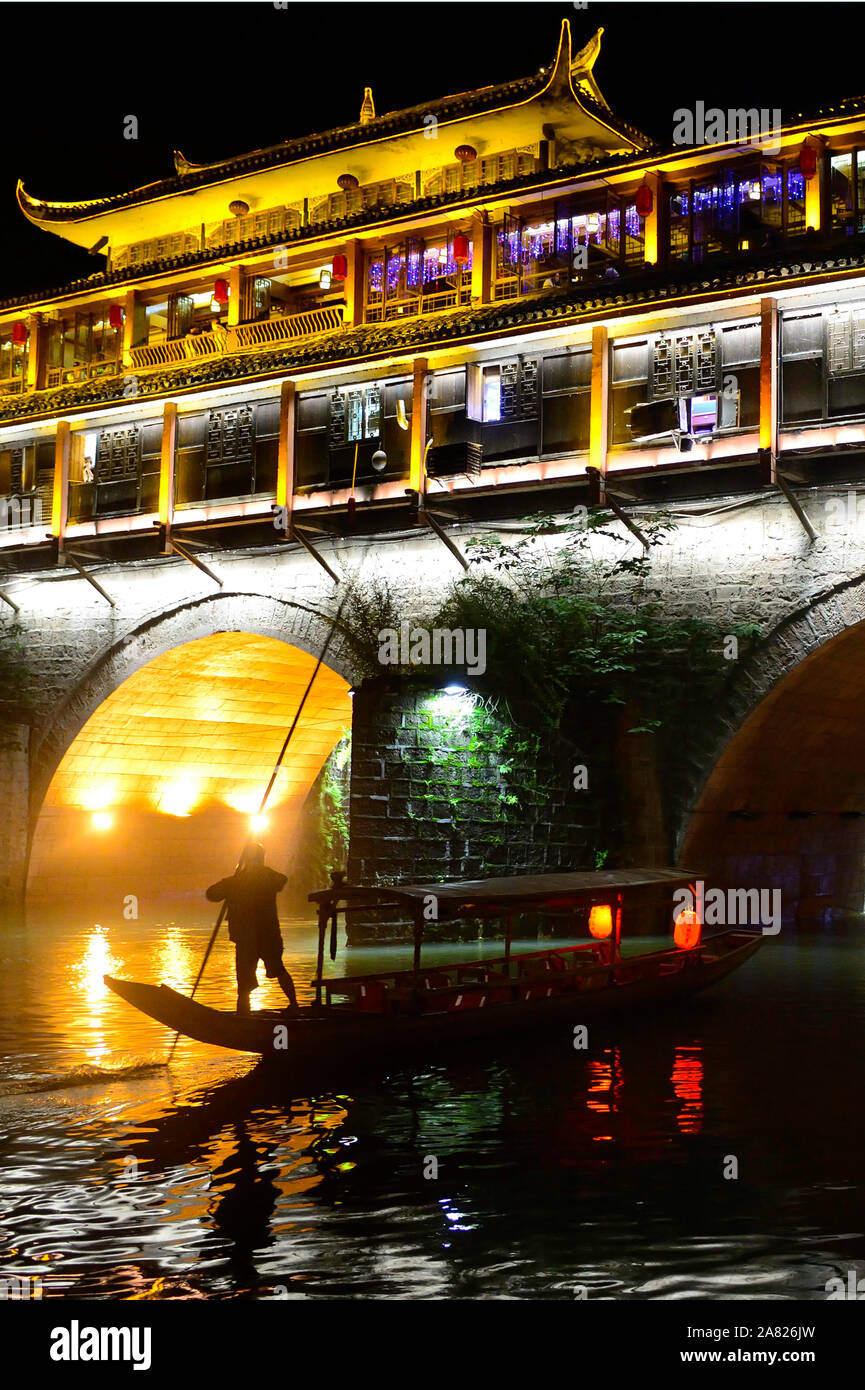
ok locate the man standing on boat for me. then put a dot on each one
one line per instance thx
(253, 924)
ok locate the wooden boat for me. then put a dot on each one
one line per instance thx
(392, 1012)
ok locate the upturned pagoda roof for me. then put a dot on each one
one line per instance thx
(568, 79)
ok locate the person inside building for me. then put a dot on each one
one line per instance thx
(253, 924)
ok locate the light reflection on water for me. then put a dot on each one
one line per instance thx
(551, 1167)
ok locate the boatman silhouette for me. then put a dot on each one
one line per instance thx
(253, 924)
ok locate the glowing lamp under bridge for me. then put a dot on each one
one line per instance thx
(686, 931)
(601, 921)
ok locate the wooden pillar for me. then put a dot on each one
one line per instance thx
(285, 458)
(323, 911)
(420, 379)
(417, 916)
(60, 496)
(166, 468)
(599, 417)
(816, 194)
(769, 386)
(37, 345)
(654, 230)
(482, 259)
(236, 280)
(354, 284)
(134, 325)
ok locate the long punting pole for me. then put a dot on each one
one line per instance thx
(268, 789)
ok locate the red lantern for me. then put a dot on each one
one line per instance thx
(465, 153)
(644, 202)
(340, 268)
(19, 333)
(115, 316)
(686, 933)
(601, 921)
(807, 161)
(348, 182)
(351, 510)
(220, 291)
(461, 249)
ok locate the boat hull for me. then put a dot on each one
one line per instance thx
(318, 1035)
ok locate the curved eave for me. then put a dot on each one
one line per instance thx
(54, 215)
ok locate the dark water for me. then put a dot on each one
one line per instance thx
(520, 1171)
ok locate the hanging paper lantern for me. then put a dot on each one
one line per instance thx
(19, 333)
(238, 207)
(807, 161)
(115, 316)
(351, 510)
(686, 932)
(643, 201)
(340, 268)
(347, 182)
(465, 153)
(461, 249)
(220, 292)
(601, 921)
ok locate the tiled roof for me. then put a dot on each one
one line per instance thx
(760, 272)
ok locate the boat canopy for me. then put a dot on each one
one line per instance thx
(502, 898)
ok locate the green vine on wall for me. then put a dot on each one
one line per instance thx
(575, 630)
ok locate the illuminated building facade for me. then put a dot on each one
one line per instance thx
(509, 298)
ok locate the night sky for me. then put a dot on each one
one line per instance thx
(214, 80)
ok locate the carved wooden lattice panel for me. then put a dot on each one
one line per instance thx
(662, 368)
(230, 435)
(685, 364)
(519, 390)
(337, 419)
(838, 344)
(117, 454)
(707, 361)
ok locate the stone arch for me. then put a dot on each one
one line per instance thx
(251, 612)
(778, 787)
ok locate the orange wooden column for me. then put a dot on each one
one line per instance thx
(482, 259)
(420, 382)
(60, 494)
(167, 458)
(286, 456)
(599, 415)
(769, 386)
(353, 289)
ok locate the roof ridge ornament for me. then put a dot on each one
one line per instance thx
(367, 110)
(582, 64)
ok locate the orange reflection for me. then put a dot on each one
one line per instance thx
(687, 1079)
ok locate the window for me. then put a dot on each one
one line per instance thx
(517, 409)
(115, 472)
(823, 364)
(492, 406)
(227, 452)
(538, 252)
(847, 192)
(753, 206)
(26, 482)
(713, 372)
(416, 277)
(338, 431)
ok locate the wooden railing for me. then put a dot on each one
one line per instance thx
(60, 376)
(437, 303)
(241, 339)
(12, 386)
(179, 350)
(289, 327)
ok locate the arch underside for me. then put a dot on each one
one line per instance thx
(154, 794)
(784, 806)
